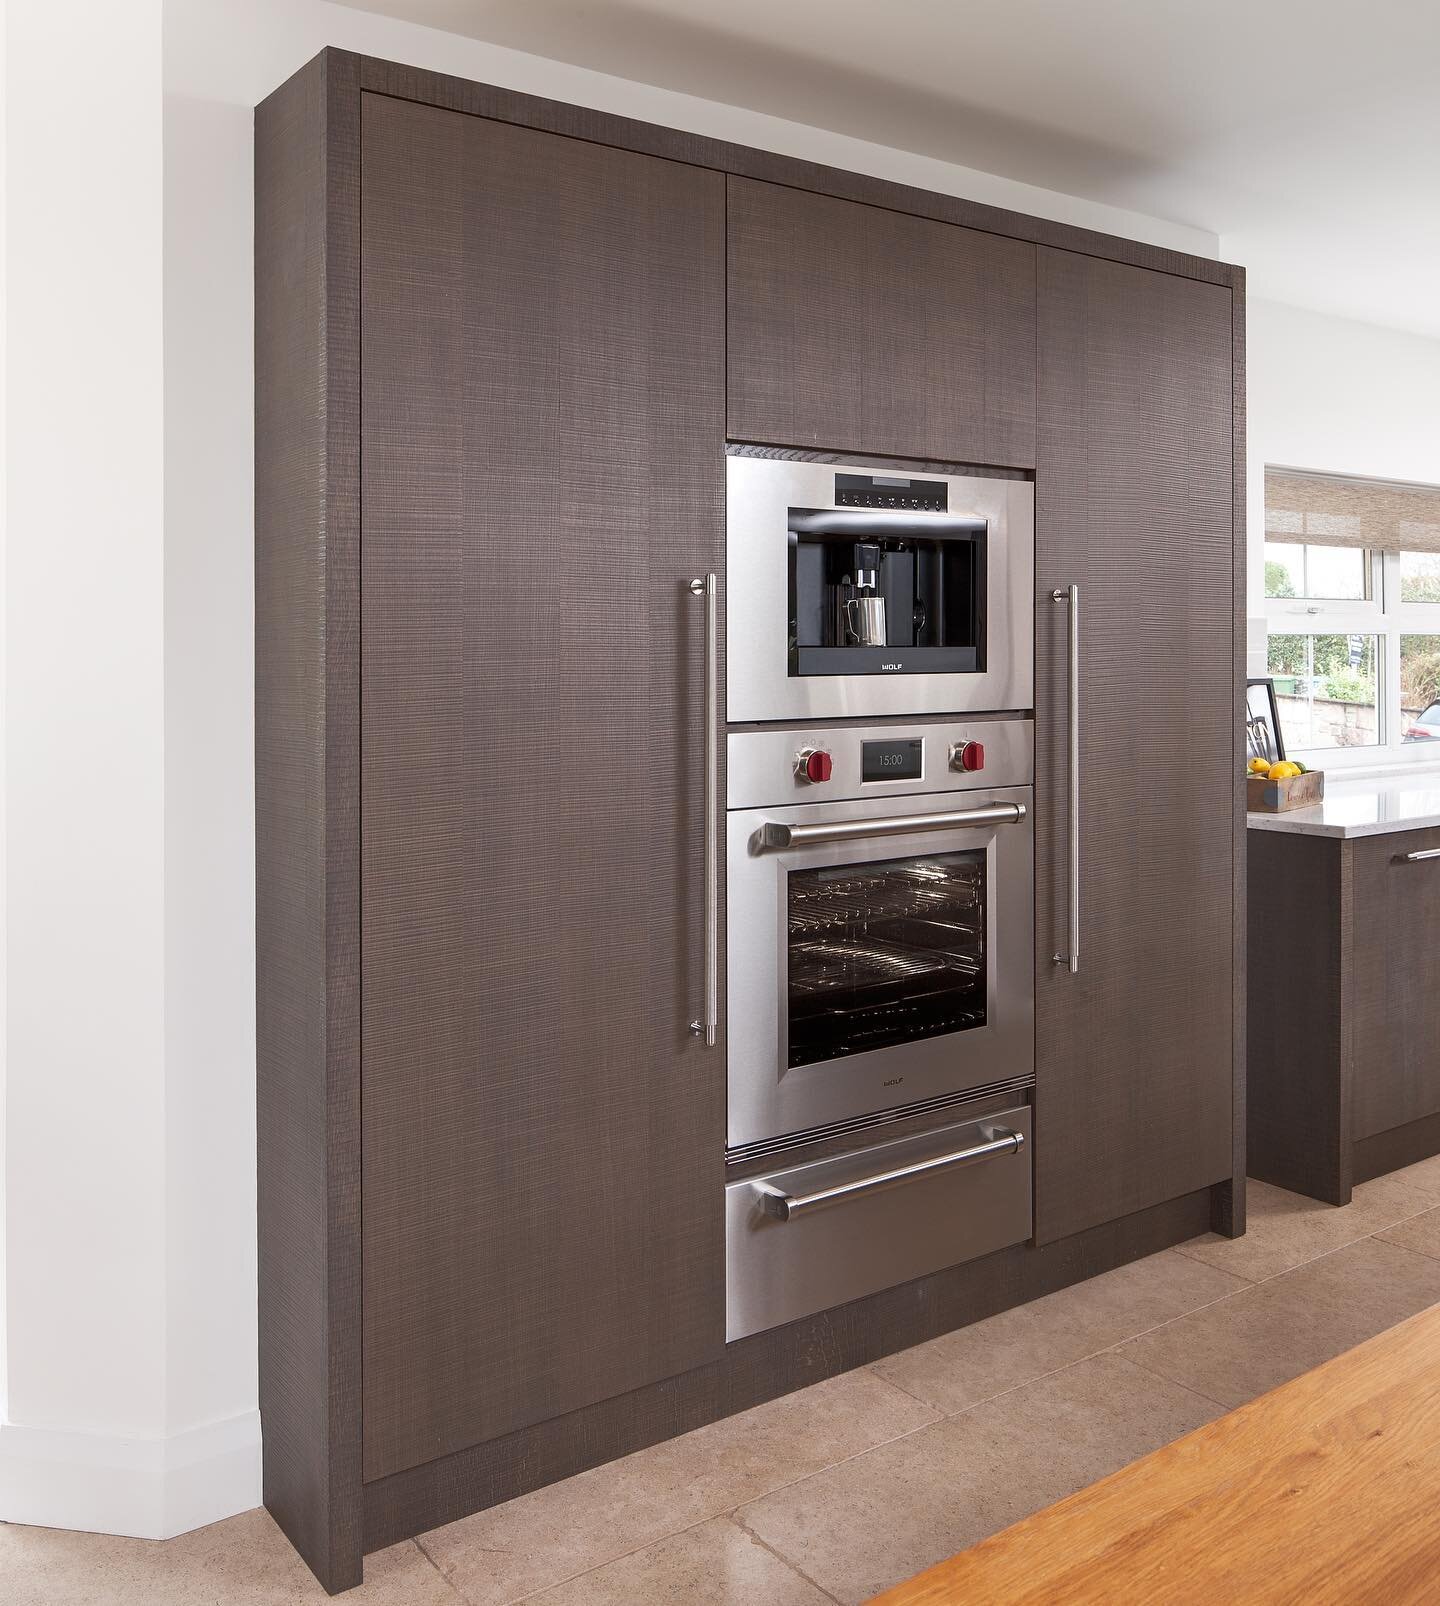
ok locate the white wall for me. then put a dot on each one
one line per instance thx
(84, 752)
(1330, 394)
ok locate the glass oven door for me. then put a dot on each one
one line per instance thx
(879, 954)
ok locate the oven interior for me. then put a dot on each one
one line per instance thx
(884, 953)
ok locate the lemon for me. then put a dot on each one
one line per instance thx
(1259, 766)
(1283, 772)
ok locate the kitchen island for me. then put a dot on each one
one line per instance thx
(1344, 1026)
(1363, 807)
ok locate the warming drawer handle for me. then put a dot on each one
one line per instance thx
(774, 835)
(708, 1025)
(1415, 858)
(786, 1206)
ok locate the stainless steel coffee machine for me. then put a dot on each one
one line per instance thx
(853, 592)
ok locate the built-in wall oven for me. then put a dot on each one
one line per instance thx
(880, 932)
(880, 966)
(855, 592)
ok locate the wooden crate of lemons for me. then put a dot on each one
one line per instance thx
(1274, 788)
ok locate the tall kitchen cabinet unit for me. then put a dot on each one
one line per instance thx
(1135, 507)
(501, 345)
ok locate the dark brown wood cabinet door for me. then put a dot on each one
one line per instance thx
(1393, 1005)
(543, 439)
(853, 328)
(1134, 504)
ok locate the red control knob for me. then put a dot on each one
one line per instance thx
(813, 765)
(969, 756)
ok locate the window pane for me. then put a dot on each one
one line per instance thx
(1335, 571)
(1419, 577)
(1420, 689)
(1284, 569)
(1327, 690)
(1328, 573)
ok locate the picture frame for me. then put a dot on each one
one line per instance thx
(1263, 736)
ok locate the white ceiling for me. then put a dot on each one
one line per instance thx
(1306, 133)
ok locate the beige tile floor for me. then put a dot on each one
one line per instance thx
(838, 1491)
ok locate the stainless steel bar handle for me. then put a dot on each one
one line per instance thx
(775, 835)
(786, 1206)
(710, 1024)
(1427, 853)
(1071, 595)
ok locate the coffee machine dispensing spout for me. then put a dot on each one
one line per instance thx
(862, 606)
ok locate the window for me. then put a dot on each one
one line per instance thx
(1327, 690)
(1420, 577)
(1352, 603)
(1341, 574)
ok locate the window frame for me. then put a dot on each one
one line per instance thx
(1383, 615)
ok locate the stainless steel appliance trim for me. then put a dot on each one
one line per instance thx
(1426, 853)
(775, 835)
(786, 1206)
(709, 1025)
(1007, 1087)
(760, 491)
(760, 764)
(767, 1096)
(1071, 596)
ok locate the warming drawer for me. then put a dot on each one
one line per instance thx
(809, 1237)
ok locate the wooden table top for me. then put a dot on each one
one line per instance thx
(1325, 1490)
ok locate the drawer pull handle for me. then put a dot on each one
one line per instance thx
(786, 1206)
(1415, 858)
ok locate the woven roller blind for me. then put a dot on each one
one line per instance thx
(1341, 512)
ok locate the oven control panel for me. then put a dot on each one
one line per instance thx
(818, 764)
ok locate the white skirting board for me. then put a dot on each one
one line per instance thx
(146, 1488)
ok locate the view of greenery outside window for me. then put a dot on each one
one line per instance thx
(1339, 573)
(1327, 690)
(1420, 689)
(1419, 576)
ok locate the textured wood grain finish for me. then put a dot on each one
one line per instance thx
(1324, 1489)
(1134, 502)
(857, 328)
(763, 1367)
(308, 487)
(307, 809)
(1395, 1149)
(582, 122)
(543, 473)
(1299, 1134)
(1344, 1073)
(1395, 982)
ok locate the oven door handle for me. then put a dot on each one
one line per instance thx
(786, 1206)
(773, 835)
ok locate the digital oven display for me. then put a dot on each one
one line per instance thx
(892, 761)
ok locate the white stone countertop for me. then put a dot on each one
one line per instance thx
(1362, 807)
